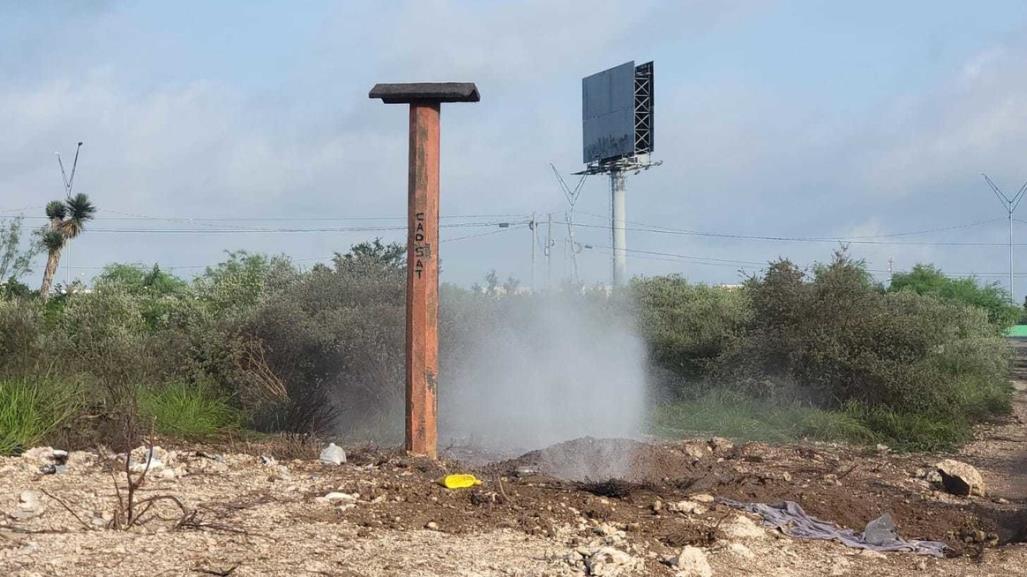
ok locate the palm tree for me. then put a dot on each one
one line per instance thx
(67, 220)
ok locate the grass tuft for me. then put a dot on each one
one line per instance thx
(187, 410)
(32, 409)
(743, 418)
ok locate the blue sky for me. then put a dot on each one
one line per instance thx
(789, 119)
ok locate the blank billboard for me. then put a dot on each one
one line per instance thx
(608, 113)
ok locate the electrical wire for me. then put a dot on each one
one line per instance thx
(832, 240)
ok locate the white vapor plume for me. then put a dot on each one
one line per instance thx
(543, 370)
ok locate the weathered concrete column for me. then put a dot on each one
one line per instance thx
(422, 337)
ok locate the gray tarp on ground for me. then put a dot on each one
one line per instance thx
(879, 536)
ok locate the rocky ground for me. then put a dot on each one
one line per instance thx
(273, 508)
(383, 513)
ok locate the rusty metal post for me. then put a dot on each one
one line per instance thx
(422, 353)
(422, 298)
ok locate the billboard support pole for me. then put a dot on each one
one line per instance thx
(617, 137)
(617, 207)
(422, 288)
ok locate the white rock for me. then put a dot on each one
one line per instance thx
(333, 455)
(960, 478)
(337, 497)
(30, 504)
(696, 450)
(281, 473)
(687, 507)
(701, 498)
(721, 445)
(39, 455)
(612, 562)
(742, 527)
(871, 554)
(692, 562)
(739, 550)
(839, 567)
(156, 456)
(155, 465)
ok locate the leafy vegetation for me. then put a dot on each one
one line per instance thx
(915, 370)
(688, 327)
(254, 342)
(742, 417)
(187, 410)
(928, 280)
(32, 409)
(15, 257)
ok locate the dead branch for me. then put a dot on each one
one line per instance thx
(502, 491)
(67, 508)
(846, 473)
(253, 362)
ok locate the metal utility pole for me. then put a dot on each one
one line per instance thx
(1010, 205)
(549, 251)
(534, 240)
(69, 183)
(572, 198)
(422, 336)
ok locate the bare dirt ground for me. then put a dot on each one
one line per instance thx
(1001, 449)
(552, 512)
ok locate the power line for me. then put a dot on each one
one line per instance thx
(714, 260)
(131, 217)
(290, 230)
(501, 229)
(831, 240)
(821, 237)
(481, 234)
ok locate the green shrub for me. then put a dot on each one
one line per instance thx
(32, 409)
(928, 280)
(686, 326)
(911, 431)
(161, 296)
(836, 338)
(242, 282)
(188, 410)
(334, 337)
(740, 417)
(745, 418)
(21, 331)
(105, 334)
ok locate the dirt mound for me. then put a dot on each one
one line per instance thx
(590, 459)
(844, 485)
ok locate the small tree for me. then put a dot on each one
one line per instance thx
(926, 279)
(15, 260)
(67, 220)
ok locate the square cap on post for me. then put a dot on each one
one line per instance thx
(425, 92)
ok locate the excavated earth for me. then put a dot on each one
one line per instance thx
(546, 513)
(607, 507)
